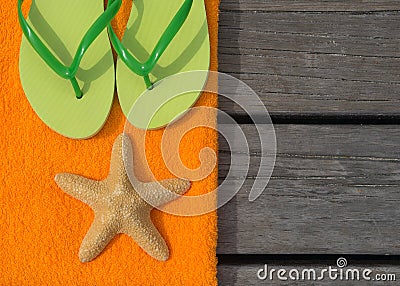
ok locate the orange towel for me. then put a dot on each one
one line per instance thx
(42, 227)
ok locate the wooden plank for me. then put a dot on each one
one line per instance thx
(376, 25)
(335, 189)
(313, 63)
(310, 5)
(239, 275)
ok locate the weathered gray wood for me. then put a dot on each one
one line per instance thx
(310, 5)
(302, 63)
(335, 189)
(240, 275)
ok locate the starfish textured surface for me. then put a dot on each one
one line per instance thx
(121, 206)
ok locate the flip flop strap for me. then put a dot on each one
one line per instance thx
(143, 69)
(59, 68)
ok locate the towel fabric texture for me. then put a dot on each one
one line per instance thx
(42, 227)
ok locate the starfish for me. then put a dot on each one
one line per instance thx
(121, 206)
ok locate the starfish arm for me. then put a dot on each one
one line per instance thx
(145, 234)
(100, 233)
(162, 192)
(121, 152)
(81, 188)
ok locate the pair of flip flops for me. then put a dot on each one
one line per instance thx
(66, 63)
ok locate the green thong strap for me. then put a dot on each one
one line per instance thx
(67, 39)
(161, 39)
(63, 71)
(143, 69)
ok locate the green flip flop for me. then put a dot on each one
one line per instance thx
(70, 90)
(162, 38)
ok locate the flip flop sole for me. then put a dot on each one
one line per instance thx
(188, 51)
(61, 25)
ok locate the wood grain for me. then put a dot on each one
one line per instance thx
(314, 63)
(310, 5)
(335, 189)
